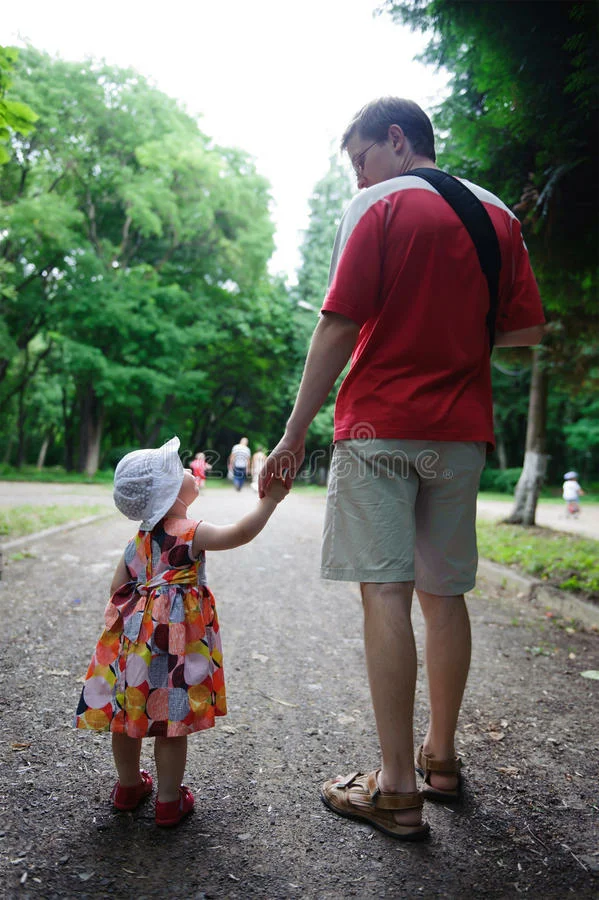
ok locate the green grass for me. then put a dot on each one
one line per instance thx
(18, 521)
(53, 474)
(565, 561)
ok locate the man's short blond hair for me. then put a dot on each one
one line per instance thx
(373, 120)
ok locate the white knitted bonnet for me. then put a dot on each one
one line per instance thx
(147, 483)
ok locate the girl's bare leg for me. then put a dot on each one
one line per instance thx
(170, 755)
(126, 752)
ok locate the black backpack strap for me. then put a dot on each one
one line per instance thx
(477, 222)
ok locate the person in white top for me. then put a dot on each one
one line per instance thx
(239, 462)
(571, 492)
(258, 460)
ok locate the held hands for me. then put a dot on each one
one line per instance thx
(283, 463)
(276, 490)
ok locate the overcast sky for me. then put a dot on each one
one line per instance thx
(279, 78)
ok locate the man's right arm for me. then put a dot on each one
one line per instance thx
(332, 344)
(523, 337)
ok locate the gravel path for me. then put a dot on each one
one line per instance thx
(549, 515)
(299, 712)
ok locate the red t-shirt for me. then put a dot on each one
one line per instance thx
(405, 269)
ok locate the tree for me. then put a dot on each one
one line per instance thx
(330, 196)
(522, 119)
(125, 237)
(14, 116)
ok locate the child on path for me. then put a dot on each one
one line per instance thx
(199, 467)
(571, 492)
(157, 668)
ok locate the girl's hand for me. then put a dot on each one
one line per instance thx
(225, 537)
(277, 490)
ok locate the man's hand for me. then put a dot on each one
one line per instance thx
(331, 346)
(284, 462)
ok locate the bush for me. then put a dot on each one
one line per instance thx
(565, 561)
(502, 481)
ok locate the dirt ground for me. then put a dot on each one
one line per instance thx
(548, 515)
(299, 712)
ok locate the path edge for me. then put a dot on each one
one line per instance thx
(48, 532)
(530, 589)
(539, 594)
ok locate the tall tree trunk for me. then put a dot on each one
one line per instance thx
(21, 427)
(535, 458)
(501, 452)
(8, 448)
(69, 442)
(152, 435)
(41, 459)
(91, 425)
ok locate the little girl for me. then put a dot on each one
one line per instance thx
(199, 467)
(157, 668)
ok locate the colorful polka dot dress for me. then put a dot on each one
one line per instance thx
(157, 668)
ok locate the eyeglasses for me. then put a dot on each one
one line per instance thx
(360, 159)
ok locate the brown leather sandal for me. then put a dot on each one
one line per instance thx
(427, 764)
(358, 796)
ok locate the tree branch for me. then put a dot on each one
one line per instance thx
(39, 274)
(27, 375)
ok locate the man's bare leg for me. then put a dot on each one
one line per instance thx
(391, 664)
(447, 654)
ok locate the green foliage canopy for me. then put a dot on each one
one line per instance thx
(14, 115)
(133, 258)
(331, 195)
(522, 119)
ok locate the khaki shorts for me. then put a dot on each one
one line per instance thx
(403, 511)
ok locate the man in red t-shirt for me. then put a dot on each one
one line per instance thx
(408, 301)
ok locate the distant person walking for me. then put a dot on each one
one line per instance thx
(571, 491)
(199, 467)
(157, 670)
(239, 462)
(258, 460)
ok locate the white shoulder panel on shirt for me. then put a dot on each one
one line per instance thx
(362, 202)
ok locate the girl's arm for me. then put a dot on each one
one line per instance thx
(121, 575)
(225, 537)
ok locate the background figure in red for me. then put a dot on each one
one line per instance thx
(199, 467)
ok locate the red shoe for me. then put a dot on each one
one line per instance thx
(169, 814)
(128, 798)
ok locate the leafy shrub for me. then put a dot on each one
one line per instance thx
(502, 481)
(566, 561)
